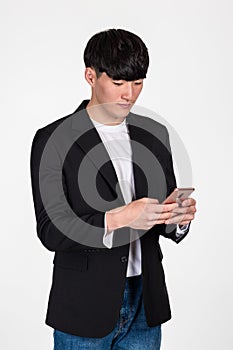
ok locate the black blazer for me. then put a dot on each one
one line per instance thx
(89, 279)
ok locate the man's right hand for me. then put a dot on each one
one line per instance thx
(140, 214)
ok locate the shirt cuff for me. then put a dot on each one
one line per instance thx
(108, 236)
(181, 230)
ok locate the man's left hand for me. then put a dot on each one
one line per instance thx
(184, 213)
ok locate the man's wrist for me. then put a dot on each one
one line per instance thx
(114, 219)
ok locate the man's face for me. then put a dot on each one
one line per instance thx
(115, 97)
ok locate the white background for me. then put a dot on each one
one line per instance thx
(189, 84)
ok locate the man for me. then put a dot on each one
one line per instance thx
(99, 177)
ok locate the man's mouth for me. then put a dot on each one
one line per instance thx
(124, 105)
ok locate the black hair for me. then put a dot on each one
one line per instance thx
(119, 53)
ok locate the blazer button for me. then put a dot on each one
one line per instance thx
(124, 259)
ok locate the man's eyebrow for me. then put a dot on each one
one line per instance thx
(139, 79)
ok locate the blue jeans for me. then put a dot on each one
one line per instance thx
(131, 331)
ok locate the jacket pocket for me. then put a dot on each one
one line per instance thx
(71, 260)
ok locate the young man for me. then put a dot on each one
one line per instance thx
(99, 177)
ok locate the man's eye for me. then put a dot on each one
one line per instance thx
(116, 83)
(138, 82)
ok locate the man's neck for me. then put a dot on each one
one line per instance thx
(96, 112)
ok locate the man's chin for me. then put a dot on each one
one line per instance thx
(115, 111)
(119, 110)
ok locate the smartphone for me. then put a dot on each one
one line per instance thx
(178, 195)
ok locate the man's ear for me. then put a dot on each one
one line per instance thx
(90, 76)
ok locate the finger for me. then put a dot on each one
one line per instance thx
(179, 210)
(179, 218)
(184, 223)
(184, 210)
(188, 202)
(164, 208)
(158, 222)
(162, 216)
(153, 223)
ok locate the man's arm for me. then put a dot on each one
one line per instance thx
(177, 226)
(58, 228)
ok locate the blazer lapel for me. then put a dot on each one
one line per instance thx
(147, 147)
(87, 138)
(137, 139)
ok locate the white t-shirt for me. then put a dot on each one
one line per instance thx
(117, 143)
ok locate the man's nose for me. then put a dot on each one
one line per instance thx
(128, 91)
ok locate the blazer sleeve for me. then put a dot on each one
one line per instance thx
(58, 227)
(170, 231)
